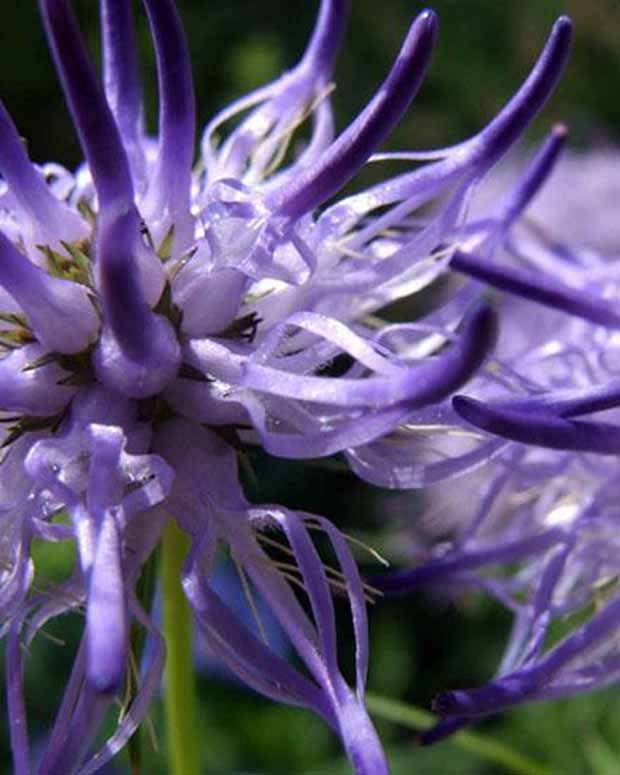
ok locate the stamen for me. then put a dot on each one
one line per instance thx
(249, 596)
(328, 568)
(356, 542)
(283, 140)
(335, 578)
(275, 544)
(133, 677)
(293, 580)
(410, 156)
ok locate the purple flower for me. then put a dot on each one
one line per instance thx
(539, 531)
(162, 314)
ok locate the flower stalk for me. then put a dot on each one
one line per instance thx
(180, 692)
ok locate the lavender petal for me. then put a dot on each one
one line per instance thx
(59, 311)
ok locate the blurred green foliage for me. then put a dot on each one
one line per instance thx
(484, 49)
(425, 644)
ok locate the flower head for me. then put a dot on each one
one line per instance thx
(162, 314)
(542, 538)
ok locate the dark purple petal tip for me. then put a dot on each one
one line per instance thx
(97, 130)
(28, 186)
(138, 352)
(542, 430)
(478, 336)
(490, 698)
(442, 729)
(440, 377)
(538, 287)
(125, 307)
(502, 132)
(571, 403)
(356, 144)
(445, 704)
(536, 174)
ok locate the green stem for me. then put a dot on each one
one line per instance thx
(486, 748)
(179, 688)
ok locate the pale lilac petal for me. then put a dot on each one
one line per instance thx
(251, 146)
(59, 312)
(50, 219)
(106, 612)
(28, 388)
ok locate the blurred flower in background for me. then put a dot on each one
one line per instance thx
(537, 528)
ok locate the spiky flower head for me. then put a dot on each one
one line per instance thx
(162, 314)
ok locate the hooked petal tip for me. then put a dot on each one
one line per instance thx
(563, 25)
(354, 146)
(559, 130)
(429, 18)
(443, 704)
